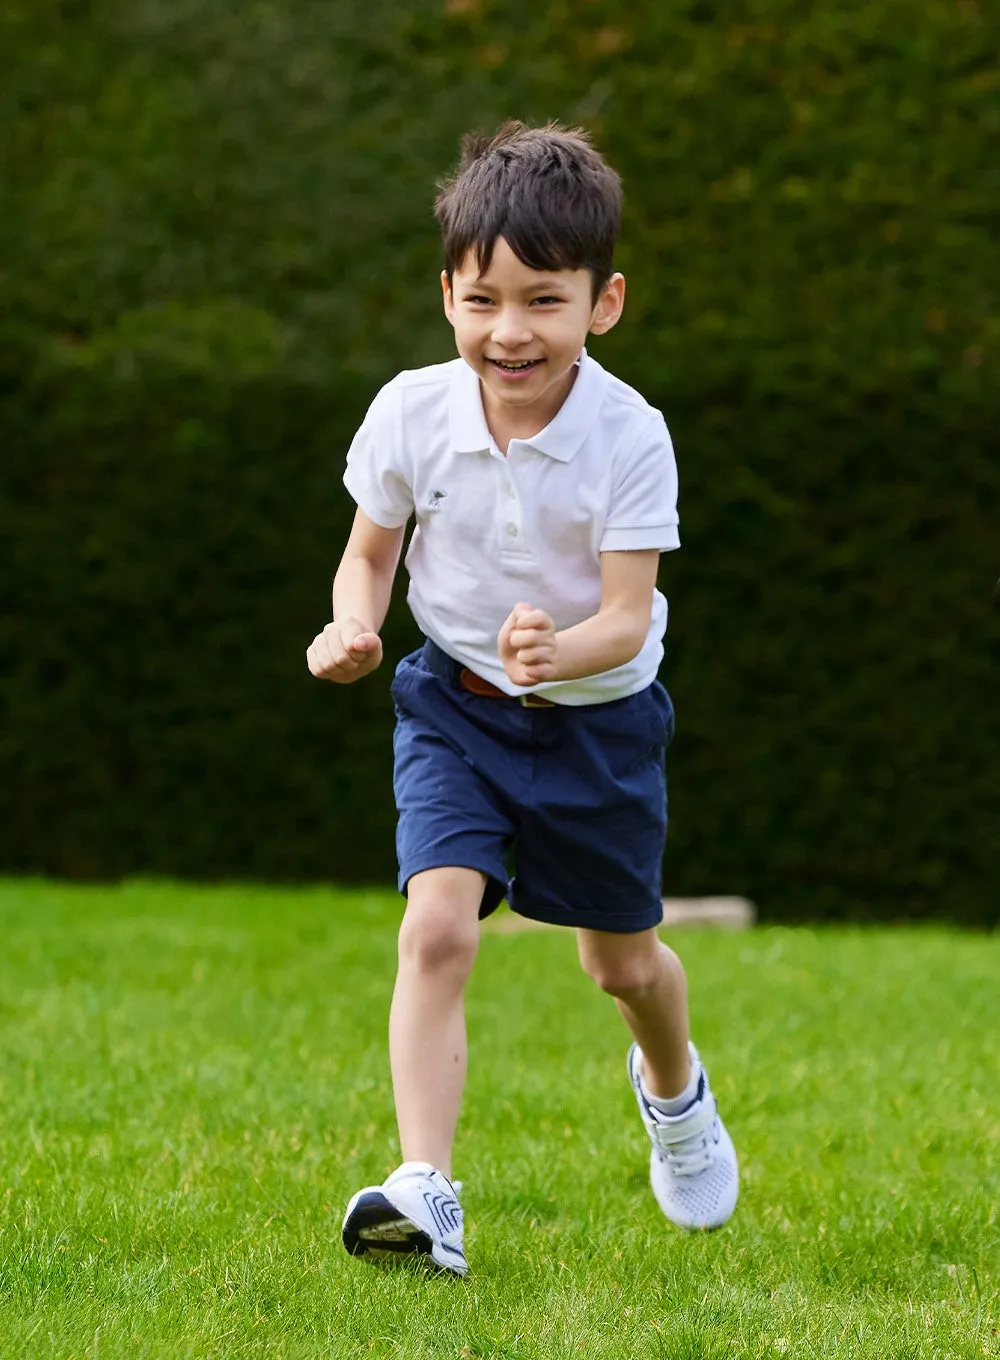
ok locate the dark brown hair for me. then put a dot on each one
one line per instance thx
(546, 191)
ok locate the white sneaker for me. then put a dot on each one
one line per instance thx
(692, 1168)
(415, 1210)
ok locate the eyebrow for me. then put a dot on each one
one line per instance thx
(542, 286)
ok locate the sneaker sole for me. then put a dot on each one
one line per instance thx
(375, 1228)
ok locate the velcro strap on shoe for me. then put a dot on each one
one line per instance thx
(687, 1125)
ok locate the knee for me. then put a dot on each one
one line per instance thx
(631, 974)
(623, 978)
(435, 937)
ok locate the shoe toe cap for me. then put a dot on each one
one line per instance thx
(703, 1201)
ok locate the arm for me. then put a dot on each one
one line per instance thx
(350, 647)
(532, 651)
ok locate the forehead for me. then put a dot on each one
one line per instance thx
(507, 271)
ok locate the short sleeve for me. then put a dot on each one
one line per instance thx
(643, 509)
(376, 473)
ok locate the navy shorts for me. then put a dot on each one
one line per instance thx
(575, 798)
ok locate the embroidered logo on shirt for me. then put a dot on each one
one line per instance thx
(436, 497)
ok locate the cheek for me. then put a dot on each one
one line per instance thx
(574, 325)
(470, 331)
(462, 336)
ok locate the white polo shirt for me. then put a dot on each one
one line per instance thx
(493, 530)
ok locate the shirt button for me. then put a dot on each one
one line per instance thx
(511, 492)
(512, 530)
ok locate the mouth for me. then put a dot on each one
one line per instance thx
(514, 367)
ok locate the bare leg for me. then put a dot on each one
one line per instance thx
(648, 984)
(427, 1046)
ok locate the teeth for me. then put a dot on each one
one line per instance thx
(525, 363)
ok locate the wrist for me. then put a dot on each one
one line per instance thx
(361, 624)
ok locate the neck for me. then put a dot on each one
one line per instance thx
(505, 424)
(504, 430)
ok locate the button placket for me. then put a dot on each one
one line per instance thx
(509, 510)
(510, 520)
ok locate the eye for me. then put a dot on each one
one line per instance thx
(478, 300)
(545, 301)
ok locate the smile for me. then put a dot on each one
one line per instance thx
(512, 366)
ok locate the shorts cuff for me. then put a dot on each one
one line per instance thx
(614, 923)
(493, 893)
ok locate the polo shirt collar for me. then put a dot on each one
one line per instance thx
(560, 439)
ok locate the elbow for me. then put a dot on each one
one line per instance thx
(635, 647)
(632, 638)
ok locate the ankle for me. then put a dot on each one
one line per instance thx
(681, 1089)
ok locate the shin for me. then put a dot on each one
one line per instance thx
(427, 1045)
(647, 982)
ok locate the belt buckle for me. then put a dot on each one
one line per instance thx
(534, 701)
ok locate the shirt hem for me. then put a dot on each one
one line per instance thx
(554, 690)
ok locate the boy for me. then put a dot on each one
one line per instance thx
(544, 491)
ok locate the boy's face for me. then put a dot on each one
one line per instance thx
(522, 331)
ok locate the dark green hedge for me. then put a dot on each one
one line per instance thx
(218, 242)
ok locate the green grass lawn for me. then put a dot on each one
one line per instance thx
(194, 1080)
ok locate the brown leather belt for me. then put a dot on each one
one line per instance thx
(475, 684)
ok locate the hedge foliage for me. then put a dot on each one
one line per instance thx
(217, 240)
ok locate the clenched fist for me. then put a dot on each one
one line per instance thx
(344, 651)
(527, 645)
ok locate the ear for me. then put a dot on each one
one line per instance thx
(609, 305)
(449, 298)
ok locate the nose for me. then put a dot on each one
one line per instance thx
(510, 328)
